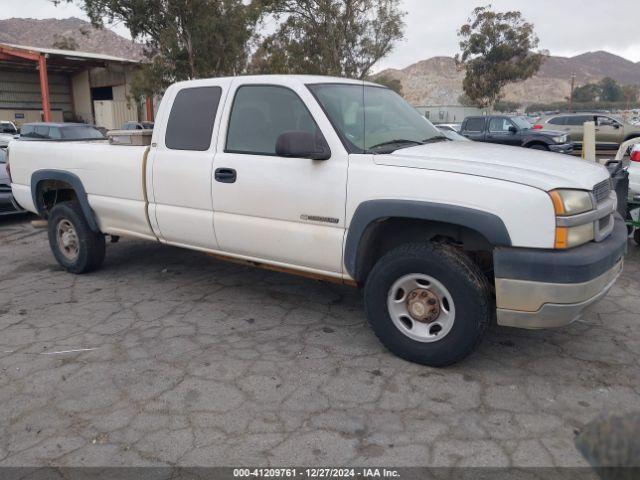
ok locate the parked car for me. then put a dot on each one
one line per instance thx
(634, 173)
(293, 173)
(60, 131)
(453, 127)
(610, 131)
(515, 131)
(8, 127)
(7, 204)
(137, 126)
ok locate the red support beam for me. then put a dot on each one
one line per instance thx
(44, 87)
(149, 105)
(18, 53)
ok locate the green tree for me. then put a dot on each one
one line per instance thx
(183, 39)
(631, 93)
(506, 106)
(610, 90)
(328, 37)
(496, 49)
(589, 92)
(388, 81)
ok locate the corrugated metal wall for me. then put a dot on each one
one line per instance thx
(21, 90)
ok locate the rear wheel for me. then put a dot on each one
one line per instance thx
(75, 246)
(428, 303)
(636, 236)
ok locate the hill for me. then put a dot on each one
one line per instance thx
(46, 33)
(437, 81)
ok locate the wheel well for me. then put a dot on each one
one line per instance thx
(386, 234)
(535, 142)
(632, 135)
(51, 192)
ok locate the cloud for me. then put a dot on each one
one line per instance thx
(566, 27)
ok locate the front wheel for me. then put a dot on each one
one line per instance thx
(539, 147)
(428, 303)
(75, 246)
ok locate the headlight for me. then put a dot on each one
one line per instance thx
(561, 139)
(571, 202)
(569, 237)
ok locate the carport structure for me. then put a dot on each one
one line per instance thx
(83, 75)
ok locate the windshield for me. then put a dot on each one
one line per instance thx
(521, 123)
(82, 133)
(372, 119)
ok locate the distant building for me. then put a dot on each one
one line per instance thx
(46, 84)
(449, 113)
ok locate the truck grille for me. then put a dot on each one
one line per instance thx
(602, 190)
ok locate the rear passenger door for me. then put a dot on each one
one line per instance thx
(180, 165)
(284, 210)
(474, 129)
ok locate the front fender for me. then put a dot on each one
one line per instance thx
(487, 224)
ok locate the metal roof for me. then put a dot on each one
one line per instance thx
(69, 54)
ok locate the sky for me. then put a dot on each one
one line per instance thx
(565, 27)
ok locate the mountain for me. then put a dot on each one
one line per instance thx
(51, 33)
(437, 81)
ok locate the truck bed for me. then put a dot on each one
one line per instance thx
(113, 177)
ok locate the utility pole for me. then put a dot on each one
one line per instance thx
(573, 81)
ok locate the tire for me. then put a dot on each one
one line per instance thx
(74, 245)
(636, 236)
(446, 268)
(537, 146)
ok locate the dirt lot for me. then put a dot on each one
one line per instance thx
(191, 361)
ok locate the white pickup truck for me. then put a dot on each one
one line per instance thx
(343, 180)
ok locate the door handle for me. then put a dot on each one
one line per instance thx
(225, 175)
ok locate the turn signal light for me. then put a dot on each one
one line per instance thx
(562, 237)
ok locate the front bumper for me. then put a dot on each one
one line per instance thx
(551, 288)
(564, 148)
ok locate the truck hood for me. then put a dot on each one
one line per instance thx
(543, 170)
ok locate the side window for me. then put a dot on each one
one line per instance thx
(191, 120)
(261, 113)
(578, 120)
(474, 125)
(55, 133)
(42, 132)
(27, 131)
(558, 121)
(499, 125)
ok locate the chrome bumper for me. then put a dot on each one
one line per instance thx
(533, 305)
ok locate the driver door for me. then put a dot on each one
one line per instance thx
(608, 133)
(499, 132)
(287, 211)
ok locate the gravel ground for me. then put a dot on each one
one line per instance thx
(186, 360)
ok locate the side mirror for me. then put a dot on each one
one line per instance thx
(299, 144)
(513, 129)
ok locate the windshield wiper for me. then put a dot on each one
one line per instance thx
(396, 142)
(437, 138)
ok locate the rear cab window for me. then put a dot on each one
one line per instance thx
(193, 114)
(474, 124)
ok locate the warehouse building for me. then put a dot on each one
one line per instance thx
(46, 84)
